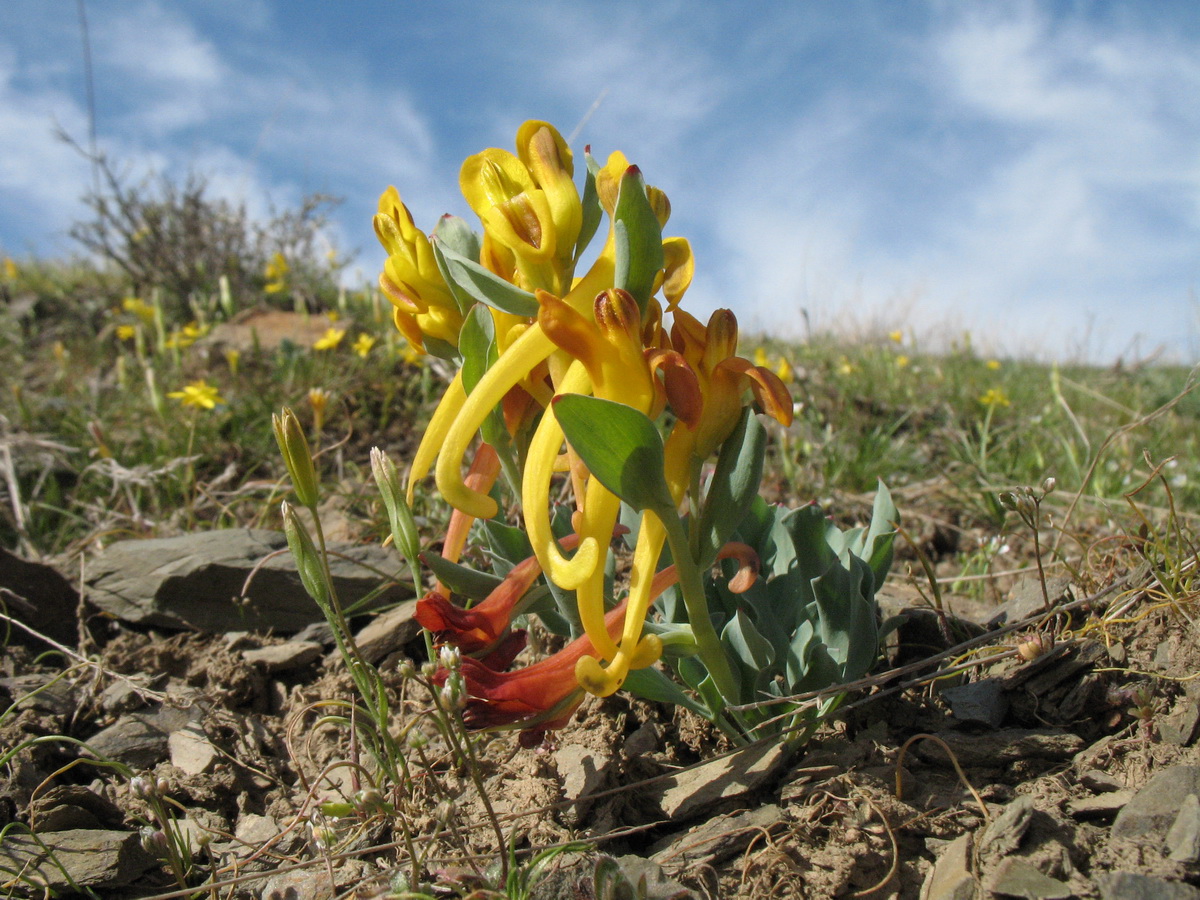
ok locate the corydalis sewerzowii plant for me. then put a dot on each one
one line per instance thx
(578, 374)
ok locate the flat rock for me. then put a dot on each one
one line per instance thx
(582, 771)
(140, 739)
(263, 328)
(717, 839)
(195, 581)
(1018, 878)
(285, 657)
(951, 877)
(1183, 840)
(91, 858)
(1182, 725)
(978, 703)
(304, 884)
(387, 632)
(1150, 814)
(40, 597)
(999, 748)
(191, 751)
(66, 807)
(1131, 886)
(711, 785)
(1004, 835)
(1102, 806)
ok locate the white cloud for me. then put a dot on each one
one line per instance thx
(41, 177)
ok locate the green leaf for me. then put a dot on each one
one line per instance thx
(620, 446)
(733, 487)
(638, 239)
(442, 349)
(477, 342)
(469, 281)
(468, 582)
(750, 648)
(455, 233)
(592, 210)
(508, 544)
(652, 684)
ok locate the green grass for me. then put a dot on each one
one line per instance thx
(95, 450)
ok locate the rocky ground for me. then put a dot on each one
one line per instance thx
(1002, 751)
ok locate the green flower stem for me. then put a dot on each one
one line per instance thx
(691, 584)
(365, 678)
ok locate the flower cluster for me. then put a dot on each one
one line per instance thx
(523, 328)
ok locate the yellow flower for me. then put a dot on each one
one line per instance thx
(318, 399)
(902, 361)
(528, 205)
(362, 345)
(411, 280)
(784, 371)
(845, 367)
(993, 364)
(10, 269)
(139, 308)
(199, 394)
(126, 332)
(276, 274)
(896, 337)
(185, 336)
(994, 397)
(233, 358)
(330, 339)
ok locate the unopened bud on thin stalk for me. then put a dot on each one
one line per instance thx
(294, 447)
(400, 518)
(308, 558)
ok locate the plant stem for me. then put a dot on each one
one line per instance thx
(691, 584)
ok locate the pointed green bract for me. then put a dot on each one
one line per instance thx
(733, 487)
(620, 447)
(469, 281)
(638, 239)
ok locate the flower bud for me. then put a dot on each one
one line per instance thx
(298, 458)
(1048, 485)
(154, 841)
(400, 517)
(308, 558)
(449, 657)
(142, 787)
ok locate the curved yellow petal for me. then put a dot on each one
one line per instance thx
(535, 490)
(633, 651)
(524, 224)
(431, 442)
(530, 349)
(491, 177)
(544, 152)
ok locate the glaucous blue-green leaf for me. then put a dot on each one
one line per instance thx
(472, 584)
(477, 343)
(508, 545)
(469, 279)
(753, 651)
(441, 349)
(637, 239)
(620, 446)
(733, 486)
(651, 684)
(593, 212)
(455, 233)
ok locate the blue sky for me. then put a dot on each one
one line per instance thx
(1029, 172)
